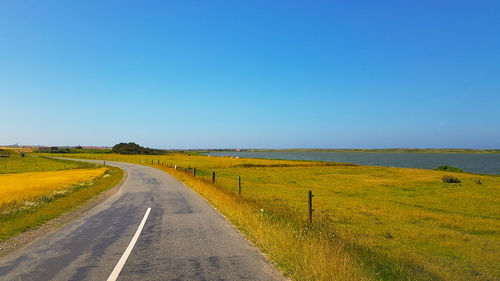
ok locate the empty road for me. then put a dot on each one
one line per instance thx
(154, 228)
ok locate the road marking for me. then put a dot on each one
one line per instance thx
(119, 266)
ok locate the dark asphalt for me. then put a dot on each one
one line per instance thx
(184, 238)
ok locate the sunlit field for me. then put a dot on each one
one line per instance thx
(368, 222)
(25, 189)
(50, 188)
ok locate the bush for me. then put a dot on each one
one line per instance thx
(133, 148)
(4, 153)
(449, 169)
(55, 149)
(450, 179)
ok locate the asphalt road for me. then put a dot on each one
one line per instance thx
(183, 238)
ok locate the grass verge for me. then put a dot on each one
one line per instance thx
(49, 208)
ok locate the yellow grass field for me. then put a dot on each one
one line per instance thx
(17, 149)
(24, 189)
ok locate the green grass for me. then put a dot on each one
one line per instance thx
(373, 223)
(449, 169)
(34, 163)
(50, 208)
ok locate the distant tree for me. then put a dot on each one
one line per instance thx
(55, 149)
(133, 148)
(78, 147)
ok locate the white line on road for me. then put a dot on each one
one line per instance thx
(123, 259)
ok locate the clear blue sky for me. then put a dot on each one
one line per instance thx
(275, 74)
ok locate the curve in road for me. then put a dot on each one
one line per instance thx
(183, 238)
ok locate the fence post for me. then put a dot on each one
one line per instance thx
(194, 172)
(310, 206)
(213, 177)
(104, 162)
(239, 185)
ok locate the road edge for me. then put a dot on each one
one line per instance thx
(256, 248)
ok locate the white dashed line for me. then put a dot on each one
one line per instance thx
(123, 259)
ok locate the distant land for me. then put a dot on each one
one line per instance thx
(373, 150)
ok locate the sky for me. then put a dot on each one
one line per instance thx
(251, 74)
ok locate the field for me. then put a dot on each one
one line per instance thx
(25, 189)
(33, 163)
(369, 223)
(28, 199)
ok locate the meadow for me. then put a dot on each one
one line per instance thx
(369, 223)
(20, 190)
(34, 163)
(29, 199)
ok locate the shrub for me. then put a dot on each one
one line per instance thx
(133, 148)
(4, 153)
(449, 169)
(450, 179)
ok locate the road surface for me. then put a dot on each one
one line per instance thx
(182, 238)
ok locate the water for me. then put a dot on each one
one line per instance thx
(473, 163)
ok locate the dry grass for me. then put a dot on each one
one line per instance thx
(28, 200)
(26, 189)
(369, 223)
(17, 149)
(291, 247)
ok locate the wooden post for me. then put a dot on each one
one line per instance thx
(310, 206)
(213, 177)
(239, 185)
(194, 172)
